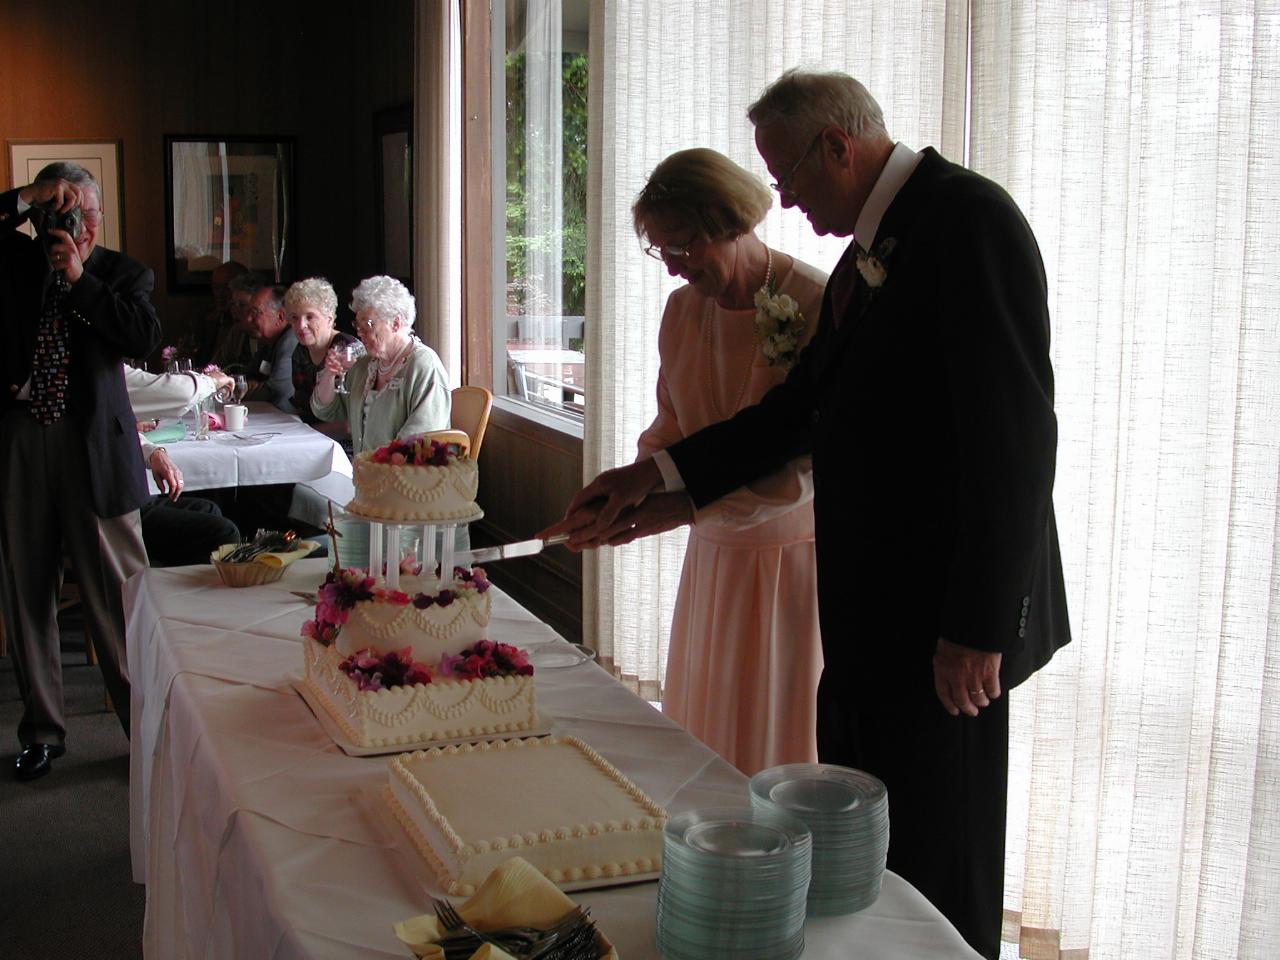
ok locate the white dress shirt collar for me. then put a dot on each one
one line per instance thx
(901, 164)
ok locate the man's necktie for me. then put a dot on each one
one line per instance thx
(51, 359)
(844, 281)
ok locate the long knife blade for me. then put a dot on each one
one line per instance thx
(506, 551)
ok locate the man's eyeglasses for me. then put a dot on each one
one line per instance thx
(783, 185)
(91, 217)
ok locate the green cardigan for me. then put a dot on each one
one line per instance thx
(416, 401)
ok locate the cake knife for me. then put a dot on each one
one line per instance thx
(506, 551)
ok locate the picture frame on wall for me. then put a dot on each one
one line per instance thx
(393, 184)
(228, 198)
(102, 158)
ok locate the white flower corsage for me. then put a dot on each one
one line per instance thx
(779, 325)
(872, 265)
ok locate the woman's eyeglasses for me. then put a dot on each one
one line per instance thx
(668, 251)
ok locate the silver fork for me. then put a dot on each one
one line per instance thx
(529, 942)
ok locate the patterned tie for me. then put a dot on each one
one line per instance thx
(51, 359)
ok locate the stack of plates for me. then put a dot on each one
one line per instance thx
(733, 885)
(847, 812)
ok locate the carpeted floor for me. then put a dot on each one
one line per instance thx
(66, 889)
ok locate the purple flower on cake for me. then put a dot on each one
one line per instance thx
(486, 659)
(321, 632)
(371, 670)
(344, 589)
(416, 452)
(445, 597)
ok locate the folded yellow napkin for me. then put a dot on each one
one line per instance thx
(514, 894)
(284, 559)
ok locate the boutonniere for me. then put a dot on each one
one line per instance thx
(779, 325)
(874, 265)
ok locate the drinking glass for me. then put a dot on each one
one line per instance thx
(347, 353)
(240, 389)
(184, 364)
(203, 409)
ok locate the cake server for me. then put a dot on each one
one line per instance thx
(506, 551)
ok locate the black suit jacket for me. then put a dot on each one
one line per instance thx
(111, 318)
(928, 410)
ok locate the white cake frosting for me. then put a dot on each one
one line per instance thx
(553, 801)
(430, 632)
(444, 709)
(416, 494)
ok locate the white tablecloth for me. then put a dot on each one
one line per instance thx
(274, 447)
(257, 837)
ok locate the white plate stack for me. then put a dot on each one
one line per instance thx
(733, 885)
(847, 811)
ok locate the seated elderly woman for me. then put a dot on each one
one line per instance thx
(399, 388)
(312, 306)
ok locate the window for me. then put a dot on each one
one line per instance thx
(540, 205)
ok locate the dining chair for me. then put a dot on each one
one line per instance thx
(471, 406)
(468, 421)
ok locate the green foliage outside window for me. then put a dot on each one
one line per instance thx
(574, 237)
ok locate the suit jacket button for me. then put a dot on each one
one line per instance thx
(1026, 601)
(1022, 621)
(1022, 631)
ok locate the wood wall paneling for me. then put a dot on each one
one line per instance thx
(138, 70)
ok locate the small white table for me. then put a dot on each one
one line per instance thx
(258, 837)
(274, 447)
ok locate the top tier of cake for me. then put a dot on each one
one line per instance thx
(415, 481)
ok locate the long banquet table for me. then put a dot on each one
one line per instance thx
(258, 837)
(274, 447)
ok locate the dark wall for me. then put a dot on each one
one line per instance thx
(138, 70)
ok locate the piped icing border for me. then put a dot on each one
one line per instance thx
(654, 821)
(469, 610)
(419, 486)
(348, 705)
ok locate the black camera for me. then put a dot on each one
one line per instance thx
(45, 219)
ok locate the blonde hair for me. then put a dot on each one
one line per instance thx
(704, 190)
(806, 101)
(313, 291)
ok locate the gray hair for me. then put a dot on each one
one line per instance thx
(387, 297)
(72, 173)
(806, 101)
(313, 291)
(275, 296)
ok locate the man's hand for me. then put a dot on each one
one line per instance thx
(657, 513)
(168, 476)
(223, 383)
(65, 255)
(62, 195)
(593, 512)
(965, 679)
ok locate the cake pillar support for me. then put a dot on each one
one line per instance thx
(447, 536)
(393, 557)
(429, 550)
(375, 550)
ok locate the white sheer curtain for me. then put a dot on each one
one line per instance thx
(669, 74)
(544, 171)
(437, 184)
(1140, 139)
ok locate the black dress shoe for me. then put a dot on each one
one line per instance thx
(36, 759)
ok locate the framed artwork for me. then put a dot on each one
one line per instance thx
(228, 198)
(393, 153)
(103, 158)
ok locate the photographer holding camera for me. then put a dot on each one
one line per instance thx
(71, 472)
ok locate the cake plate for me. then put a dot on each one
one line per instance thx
(541, 728)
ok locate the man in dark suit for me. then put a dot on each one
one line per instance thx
(926, 400)
(70, 466)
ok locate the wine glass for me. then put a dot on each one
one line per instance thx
(347, 353)
(240, 389)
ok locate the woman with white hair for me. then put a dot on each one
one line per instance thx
(399, 388)
(312, 308)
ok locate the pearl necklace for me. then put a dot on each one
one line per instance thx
(713, 388)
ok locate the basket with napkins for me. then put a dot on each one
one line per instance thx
(515, 896)
(262, 560)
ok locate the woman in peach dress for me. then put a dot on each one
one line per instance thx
(745, 653)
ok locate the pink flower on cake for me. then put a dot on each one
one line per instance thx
(371, 670)
(486, 659)
(398, 597)
(397, 459)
